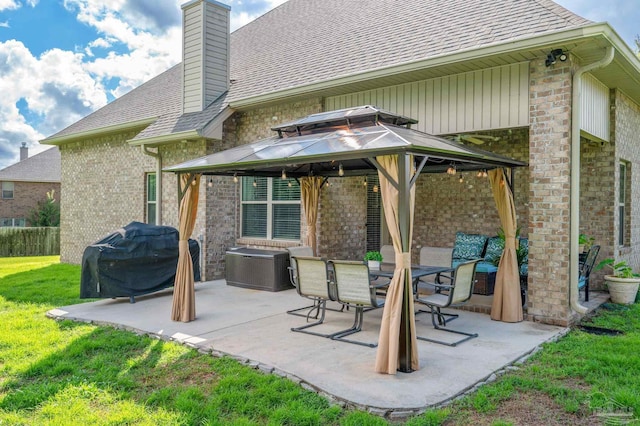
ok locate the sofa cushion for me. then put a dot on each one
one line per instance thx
(486, 267)
(495, 247)
(524, 269)
(468, 246)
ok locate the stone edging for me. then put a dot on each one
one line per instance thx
(387, 413)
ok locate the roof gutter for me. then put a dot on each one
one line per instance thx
(575, 177)
(164, 139)
(565, 36)
(98, 132)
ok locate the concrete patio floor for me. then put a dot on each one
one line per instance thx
(253, 327)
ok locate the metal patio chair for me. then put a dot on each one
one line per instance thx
(451, 295)
(586, 268)
(354, 289)
(313, 283)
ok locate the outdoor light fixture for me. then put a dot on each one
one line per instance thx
(461, 180)
(451, 170)
(340, 170)
(235, 178)
(210, 183)
(555, 55)
(284, 174)
(375, 188)
(289, 184)
(365, 181)
(255, 183)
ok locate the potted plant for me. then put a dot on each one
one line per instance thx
(623, 284)
(373, 259)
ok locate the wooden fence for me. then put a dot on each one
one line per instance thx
(29, 241)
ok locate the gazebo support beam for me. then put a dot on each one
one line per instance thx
(404, 222)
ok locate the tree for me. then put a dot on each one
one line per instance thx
(47, 213)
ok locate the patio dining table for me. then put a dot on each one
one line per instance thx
(417, 272)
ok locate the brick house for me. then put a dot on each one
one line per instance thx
(528, 79)
(26, 183)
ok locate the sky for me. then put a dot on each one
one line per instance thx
(62, 59)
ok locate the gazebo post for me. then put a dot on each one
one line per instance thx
(404, 218)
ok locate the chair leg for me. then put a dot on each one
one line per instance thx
(435, 311)
(303, 329)
(586, 290)
(449, 317)
(311, 308)
(356, 327)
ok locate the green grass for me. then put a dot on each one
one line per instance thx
(67, 373)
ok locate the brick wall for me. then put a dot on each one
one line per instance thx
(627, 148)
(549, 167)
(223, 198)
(104, 188)
(444, 205)
(26, 196)
(597, 183)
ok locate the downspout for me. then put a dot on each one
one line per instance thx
(158, 157)
(574, 271)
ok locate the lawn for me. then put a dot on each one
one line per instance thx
(66, 373)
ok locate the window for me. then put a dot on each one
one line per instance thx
(151, 198)
(4, 222)
(7, 190)
(624, 197)
(270, 208)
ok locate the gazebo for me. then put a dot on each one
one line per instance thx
(353, 142)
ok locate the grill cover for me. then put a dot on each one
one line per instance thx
(134, 260)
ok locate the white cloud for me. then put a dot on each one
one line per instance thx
(9, 5)
(56, 89)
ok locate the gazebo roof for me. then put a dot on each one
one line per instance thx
(351, 138)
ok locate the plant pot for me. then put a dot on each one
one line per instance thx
(622, 290)
(374, 265)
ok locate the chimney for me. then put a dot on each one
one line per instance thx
(205, 53)
(24, 151)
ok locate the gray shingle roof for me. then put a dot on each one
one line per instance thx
(309, 41)
(42, 167)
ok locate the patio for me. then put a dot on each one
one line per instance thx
(257, 332)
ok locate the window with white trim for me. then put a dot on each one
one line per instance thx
(151, 198)
(270, 208)
(7, 190)
(624, 208)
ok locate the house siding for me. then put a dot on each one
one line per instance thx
(26, 196)
(104, 182)
(492, 98)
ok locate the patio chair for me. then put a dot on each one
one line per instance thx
(293, 271)
(313, 283)
(354, 289)
(585, 270)
(435, 256)
(455, 294)
(388, 255)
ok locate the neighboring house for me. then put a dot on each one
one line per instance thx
(515, 75)
(26, 183)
